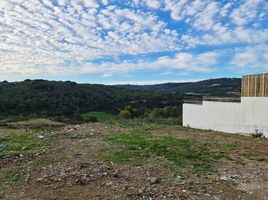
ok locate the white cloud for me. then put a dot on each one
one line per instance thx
(246, 12)
(58, 37)
(251, 57)
(182, 62)
(49, 34)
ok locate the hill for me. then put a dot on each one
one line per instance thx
(212, 87)
(56, 98)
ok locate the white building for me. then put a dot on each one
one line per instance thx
(248, 116)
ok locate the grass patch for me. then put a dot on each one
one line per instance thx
(9, 176)
(18, 143)
(228, 146)
(37, 123)
(101, 116)
(136, 148)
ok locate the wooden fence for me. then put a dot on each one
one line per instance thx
(255, 85)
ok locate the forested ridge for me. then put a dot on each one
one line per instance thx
(66, 99)
(210, 87)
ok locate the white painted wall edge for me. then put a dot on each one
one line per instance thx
(249, 116)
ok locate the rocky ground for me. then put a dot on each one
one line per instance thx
(105, 161)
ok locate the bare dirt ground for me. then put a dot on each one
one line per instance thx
(104, 161)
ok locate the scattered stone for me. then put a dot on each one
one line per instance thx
(208, 195)
(169, 195)
(226, 178)
(84, 165)
(179, 177)
(109, 183)
(154, 180)
(83, 180)
(115, 174)
(40, 137)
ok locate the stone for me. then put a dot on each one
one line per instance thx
(226, 178)
(154, 180)
(40, 137)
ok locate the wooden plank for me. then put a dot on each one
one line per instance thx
(245, 86)
(259, 85)
(266, 85)
(252, 79)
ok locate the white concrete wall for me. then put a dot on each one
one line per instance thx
(244, 117)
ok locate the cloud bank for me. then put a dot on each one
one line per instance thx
(67, 37)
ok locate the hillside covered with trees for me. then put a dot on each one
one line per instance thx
(69, 99)
(212, 87)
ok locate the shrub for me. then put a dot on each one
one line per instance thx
(132, 110)
(125, 114)
(257, 134)
(89, 118)
(92, 119)
(155, 114)
(166, 112)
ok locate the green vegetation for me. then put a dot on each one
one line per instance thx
(166, 112)
(212, 87)
(18, 143)
(36, 123)
(139, 145)
(125, 114)
(96, 116)
(9, 176)
(41, 98)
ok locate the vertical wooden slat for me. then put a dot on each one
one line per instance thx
(266, 85)
(263, 85)
(248, 86)
(258, 85)
(252, 85)
(245, 86)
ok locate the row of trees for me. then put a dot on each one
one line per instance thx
(157, 113)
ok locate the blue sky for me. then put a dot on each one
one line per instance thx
(134, 41)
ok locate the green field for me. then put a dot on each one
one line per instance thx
(101, 116)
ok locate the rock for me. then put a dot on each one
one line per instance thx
(115, 174)
(154, 180)
(27, 178)
(40, 137)
(109, 183)
(226, 178)
(208, 195)
(169, 195)
(83, 180)
(84, 165)
(179, 177)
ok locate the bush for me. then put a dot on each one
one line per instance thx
(92, 119)
(258, 134)
(125, 114)
(155, 114)
(89, 118)
(166, 112)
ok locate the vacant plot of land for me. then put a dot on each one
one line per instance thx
(129, 160)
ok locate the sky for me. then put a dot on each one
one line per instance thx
(132, 41)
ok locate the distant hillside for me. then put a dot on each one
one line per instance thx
(213, 87)
(67, 99)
